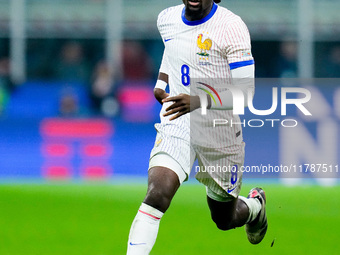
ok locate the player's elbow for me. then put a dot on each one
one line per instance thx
(248, 96)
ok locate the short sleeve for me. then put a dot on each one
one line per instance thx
(238, 45)
(164, 65)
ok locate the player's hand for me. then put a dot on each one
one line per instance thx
(183, 104)
(160, 94)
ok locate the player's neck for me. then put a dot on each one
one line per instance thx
(192, 15)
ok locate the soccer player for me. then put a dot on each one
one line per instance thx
(204, 43)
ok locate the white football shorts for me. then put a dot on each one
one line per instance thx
(218, 168)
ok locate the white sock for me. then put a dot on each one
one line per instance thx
(254, 207)
(144, 230)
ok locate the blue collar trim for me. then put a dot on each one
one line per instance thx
(201, 21)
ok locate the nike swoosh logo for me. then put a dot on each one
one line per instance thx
(230, 190)
(166, 40)
(136, 243)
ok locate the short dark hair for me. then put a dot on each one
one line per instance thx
(217, 1)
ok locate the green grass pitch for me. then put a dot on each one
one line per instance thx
(94, 219)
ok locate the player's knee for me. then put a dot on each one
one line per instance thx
(158, 199)
(162, 186)
(224, 225)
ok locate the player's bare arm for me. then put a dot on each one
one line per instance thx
(183, 104)
(159, 92)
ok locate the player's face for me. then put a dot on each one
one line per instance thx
(197, 9)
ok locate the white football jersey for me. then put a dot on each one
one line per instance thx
(198, 57)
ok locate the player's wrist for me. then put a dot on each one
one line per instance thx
(194, 103)
(160, 84)
(160, 94)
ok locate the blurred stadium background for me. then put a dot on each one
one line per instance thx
(76, 128)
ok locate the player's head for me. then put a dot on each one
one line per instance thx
(198, 9)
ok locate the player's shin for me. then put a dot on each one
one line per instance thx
(144, 230)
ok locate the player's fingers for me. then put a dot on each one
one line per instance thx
(174, 105)
(178, 109)
(178, 115)
(169, 99)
